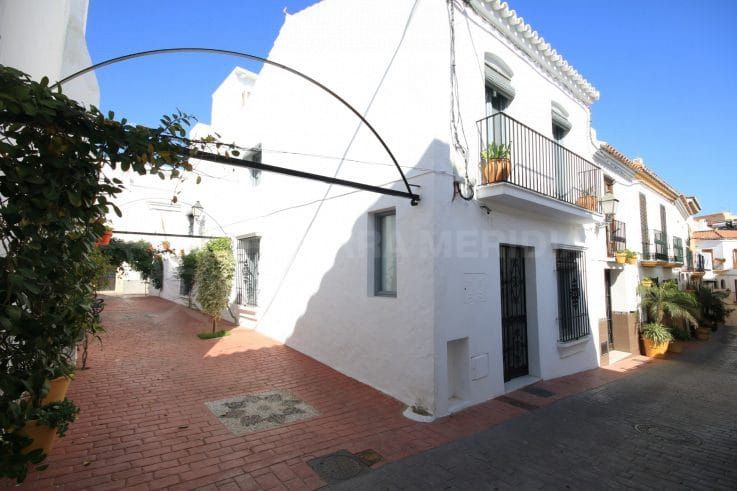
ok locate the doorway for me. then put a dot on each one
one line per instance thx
(514, 312)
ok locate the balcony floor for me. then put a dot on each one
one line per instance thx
(513, 196)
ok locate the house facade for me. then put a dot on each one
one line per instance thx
(504, 273)
(716, 253)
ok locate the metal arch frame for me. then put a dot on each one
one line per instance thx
(415, 198)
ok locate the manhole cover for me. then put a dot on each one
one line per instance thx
(517, 403)
(370, 456)
(340, 466)
(666, 433)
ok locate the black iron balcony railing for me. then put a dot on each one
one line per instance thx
(539, 164)
(677, 250)
(616, 237)
(655, 248)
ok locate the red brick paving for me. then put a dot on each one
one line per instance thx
(144, 425)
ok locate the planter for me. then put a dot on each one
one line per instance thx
(495, 170)
(632, 260)
(620, 258)
(43, 436)
(587, 201)
(654, 350)
(675, 347)
(105, 239)
(703, 333)
(57, 390)
(646, 282)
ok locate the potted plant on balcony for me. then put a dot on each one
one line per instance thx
(621, 256)
(631, 256)
(588, 199)
(495, 163)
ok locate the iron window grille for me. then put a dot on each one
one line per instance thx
(573, 312)
(661, 245)
(616, 237)
(247, 271)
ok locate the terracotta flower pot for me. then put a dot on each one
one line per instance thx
(654, 350)
(703, 333)
(587, 201)
(620, 258)
(646, 282)
(43, 436)
(57, 390)
(675, 347)
(105, 239)
(495, 170)
(632, 260)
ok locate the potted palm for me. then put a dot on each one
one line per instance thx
(659, 301)
(712, 310)
(495, 163)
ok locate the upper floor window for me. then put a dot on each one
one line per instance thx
(561, 125)
(499, 89)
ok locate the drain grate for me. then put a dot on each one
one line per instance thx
(668, 434)
(339, 466)
(538, 391)
(517, 403)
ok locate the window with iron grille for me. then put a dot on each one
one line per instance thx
(246, 273)
(573, 311)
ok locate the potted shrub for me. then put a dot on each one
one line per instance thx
(631, 256)
(679, 336)
(712, 311)
(45, 422)
(495, 163)
(656, 338)
(646, 282)
(106, 236)
(587, 199)
(620, 256)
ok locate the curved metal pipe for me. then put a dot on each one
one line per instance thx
(141, 54)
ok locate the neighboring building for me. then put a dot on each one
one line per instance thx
(454, 301)
(47, 38)
(716, 246)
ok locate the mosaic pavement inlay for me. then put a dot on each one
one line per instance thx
(261, 411)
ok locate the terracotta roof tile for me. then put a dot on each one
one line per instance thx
(715, 234)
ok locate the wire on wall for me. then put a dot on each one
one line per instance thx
(456, 119)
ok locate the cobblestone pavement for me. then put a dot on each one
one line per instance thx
(672, 426)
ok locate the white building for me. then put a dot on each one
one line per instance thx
(454, 301)
(47, 38)
(716, 246)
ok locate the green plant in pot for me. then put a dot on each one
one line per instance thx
(620, 256)
(680, 334)
(495, 163)
(660, 301)
(712, 310)
(656, 338)
(630, 256)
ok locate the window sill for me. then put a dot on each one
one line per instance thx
(570, 348)
(385, 295)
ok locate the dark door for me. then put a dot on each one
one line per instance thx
(608, 291)
(514, 311)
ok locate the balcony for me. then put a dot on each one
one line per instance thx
(657, 251)
(540, 176)
(616, 238)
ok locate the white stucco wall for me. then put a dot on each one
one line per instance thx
(47, 38)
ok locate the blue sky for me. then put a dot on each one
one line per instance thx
(666, 70)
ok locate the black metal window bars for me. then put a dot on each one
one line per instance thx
(616, 237)
(573, 312)
(541, 164)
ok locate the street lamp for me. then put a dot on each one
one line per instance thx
(195, 214)
(609, 206)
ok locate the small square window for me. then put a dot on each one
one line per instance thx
(385, 254)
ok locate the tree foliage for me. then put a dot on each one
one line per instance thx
(187, 272)
(214, 278)
(668, 299)
(139, 255)
(54, 195)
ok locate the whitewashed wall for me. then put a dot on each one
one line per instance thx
(47, 38)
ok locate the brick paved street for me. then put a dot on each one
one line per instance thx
(144, 423)
(672, 426)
